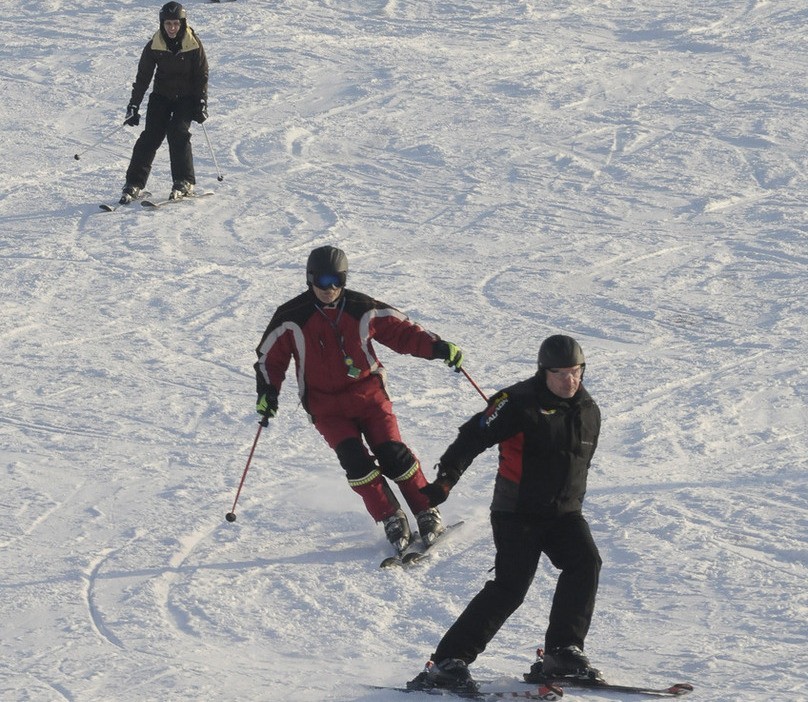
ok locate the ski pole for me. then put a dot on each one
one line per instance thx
(231, 515)
(476, 387)
(101, 140)
(219, 175)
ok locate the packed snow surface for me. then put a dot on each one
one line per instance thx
(630, 173)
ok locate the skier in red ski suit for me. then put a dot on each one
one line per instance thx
(329, 331)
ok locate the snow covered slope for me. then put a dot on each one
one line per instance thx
(633, 174)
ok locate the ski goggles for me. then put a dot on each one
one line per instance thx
(576, 373)
(324, 281)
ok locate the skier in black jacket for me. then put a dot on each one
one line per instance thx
(547, 428)
(176, 58)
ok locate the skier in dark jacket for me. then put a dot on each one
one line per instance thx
(547, 428)
(176, 58)
(329, 331)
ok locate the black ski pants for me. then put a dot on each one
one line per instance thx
(520, 540)
(164, 118)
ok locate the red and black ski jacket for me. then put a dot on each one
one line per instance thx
(327, 342)
(546, 445)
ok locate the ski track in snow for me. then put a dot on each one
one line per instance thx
(629, 173)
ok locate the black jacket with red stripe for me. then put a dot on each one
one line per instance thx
(546, 445)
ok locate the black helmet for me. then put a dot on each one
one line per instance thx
(560, 351)
(172, 11)
(327, 260)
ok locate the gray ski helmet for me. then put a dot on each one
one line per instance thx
(560, 351)
(172, 11)
(327, 260)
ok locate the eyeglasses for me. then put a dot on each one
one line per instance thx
(324, 281)
(576, 373)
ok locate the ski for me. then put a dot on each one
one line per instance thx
(416, 551)
(153, 204)
(676, 690)
(112, 207)
(543, 692)
(536, 677)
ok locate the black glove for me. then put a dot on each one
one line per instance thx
(201, 111)
(267, 405)
(132, 115)
(450, 353)
(436, 492)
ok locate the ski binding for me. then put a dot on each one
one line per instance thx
(153, 204)
(417, 551)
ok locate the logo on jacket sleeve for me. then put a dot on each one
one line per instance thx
(493, 410)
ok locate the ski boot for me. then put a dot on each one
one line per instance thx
(181, 189)
(430, 525)
(448, 674)
(130, 192)
(561, 662)
(397, 530)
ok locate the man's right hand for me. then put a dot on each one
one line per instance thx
(451, 354)
(436, 492)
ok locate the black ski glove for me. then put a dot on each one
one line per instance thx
(450, 353)
(132, 115)
(201, 111)
(438, 490)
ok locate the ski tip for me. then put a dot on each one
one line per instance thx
(680, 689)
(413, 557)
(107, 208)
(550, 692)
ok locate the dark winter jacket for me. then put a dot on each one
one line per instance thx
(320, 339)
(181, 72)
(545, 447)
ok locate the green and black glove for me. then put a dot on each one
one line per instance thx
(450, 353)
(267, 405)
